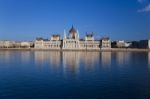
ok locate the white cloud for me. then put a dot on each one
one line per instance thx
(145, 9)
(141, 1)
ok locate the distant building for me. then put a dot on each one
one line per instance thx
(15, 44)
(72, 41)
(135, 44)
(128, 44)
(7, 44)
(120, 44)
(41, 43)
(25, 44)
(144, 44)
(105, 43)
(113, 44)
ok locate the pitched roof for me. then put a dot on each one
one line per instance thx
(72, 30)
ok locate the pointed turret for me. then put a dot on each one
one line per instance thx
(65, 34)
(78, 34)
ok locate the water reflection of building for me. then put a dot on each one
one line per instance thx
(75, 61)
(50, 58)
(106, 59)
(122, 58)
(89, 59)
(38, 57)
(55, 59)
(71, 61)
(5, 56)
(148, 59)
(25, 56)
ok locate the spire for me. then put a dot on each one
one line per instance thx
(64, 34)
(72, 30)
(78, 34)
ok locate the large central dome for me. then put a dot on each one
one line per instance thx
(72, 30)
(73, 33)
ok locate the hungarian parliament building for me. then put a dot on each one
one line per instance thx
(71, 41)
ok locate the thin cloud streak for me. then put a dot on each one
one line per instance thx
(141, 1)
(145, 9)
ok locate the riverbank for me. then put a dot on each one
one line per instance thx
(100, 50)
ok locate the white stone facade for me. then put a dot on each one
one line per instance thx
(7, 44)
(105, 43)
(25, 44)
(72, 42)
(148, 44)
(47, 44)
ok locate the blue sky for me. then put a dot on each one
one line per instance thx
(118, 19)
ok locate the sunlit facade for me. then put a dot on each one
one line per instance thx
(72, 41)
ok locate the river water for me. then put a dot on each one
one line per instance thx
(74, 75)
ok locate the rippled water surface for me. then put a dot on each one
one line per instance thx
(74, 75)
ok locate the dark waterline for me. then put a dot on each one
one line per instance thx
(74, 75)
